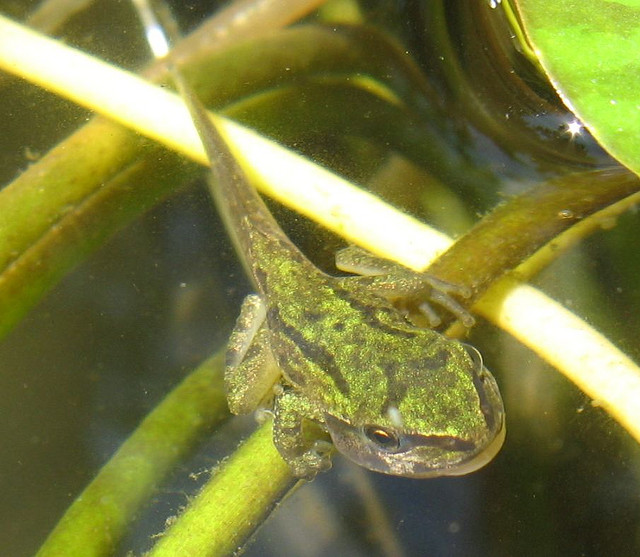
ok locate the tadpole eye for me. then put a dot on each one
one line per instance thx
(382, 437)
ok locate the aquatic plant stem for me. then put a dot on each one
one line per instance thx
(241, 494)
(99, 517)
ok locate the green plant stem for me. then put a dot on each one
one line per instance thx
(99, 517)
(84, 226)
(517, 228)
(241, 494)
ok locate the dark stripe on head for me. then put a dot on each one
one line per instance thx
(396, 390)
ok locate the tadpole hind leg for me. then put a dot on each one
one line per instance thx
(401, 284)
(358, 261)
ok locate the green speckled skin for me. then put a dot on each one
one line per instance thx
(394, 397)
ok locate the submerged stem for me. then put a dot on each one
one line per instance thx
(516, 229)
(101, 515)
